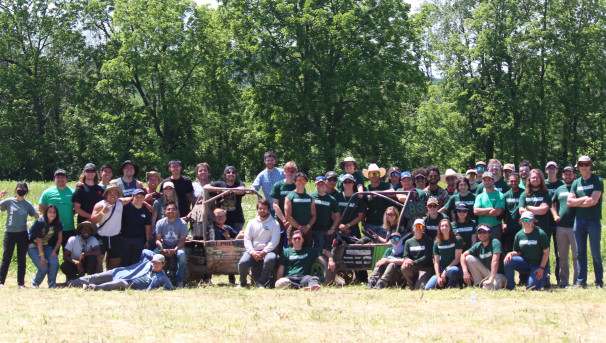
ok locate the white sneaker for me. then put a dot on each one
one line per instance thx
(282, 283)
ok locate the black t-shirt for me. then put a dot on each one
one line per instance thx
(87, 196)
(134, 221)
(231, 203)
(48, 233)
(183, 186)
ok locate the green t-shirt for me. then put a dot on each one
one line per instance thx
(359, 181)
(536, 199)
(301, 207)
(419, 251)
(466, 231)
(551, 187)
(560, 197)
(17, 212)
(469, 200)
(531, 245)
(376, 206)
(356, 206)
(298, 262)
(325, 206)
(501, 186)
(63, 200)
(484, 253)
(495, 200)
(433, 225)
(583, 188)
(280, 190)
(512, 210)
(389, 253)
(447, 250)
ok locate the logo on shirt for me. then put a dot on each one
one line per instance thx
(486, 255)
(284, 192)
(419, 248)
(297, 257)
(584, 188)
(512, 200)
(463, 229)
(301, 200)
(534, 199)
(322, 203)
(449, 246)
(432, 228)
(528, 242)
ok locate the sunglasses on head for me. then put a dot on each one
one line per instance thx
(395, 239)
(373, 174)
(526, 220)
(301, 181)
(480, 168)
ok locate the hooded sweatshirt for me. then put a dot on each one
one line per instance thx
(261, 235)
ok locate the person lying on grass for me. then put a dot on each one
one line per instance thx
(147, 274)
(294, 269)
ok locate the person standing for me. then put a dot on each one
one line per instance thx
(153, 179)
(268, 177)
(508, 169)
(280, 190)
(586, 196)
(60, 195)
(88, 194)
(300, 210)
(136, 229)
(489, 206)
(463, 196)
(107, 214)
(231, 202)
(494, 166)
(552, 183)
(512, 212)
(107, 172)
(353, 211)
(127, 182)
(350, 166)
(202, 179)
(393, 177)
(183, 187)
(564, 219)
(420, 178)
(15, 232)
(536, 199)
(524, 170)
(376, 206)
(44, 244)
(450, 179)
(327, 215)
(433, 190)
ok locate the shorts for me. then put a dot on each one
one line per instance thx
(111, 245)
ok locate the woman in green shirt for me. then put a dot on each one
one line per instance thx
(447, 250)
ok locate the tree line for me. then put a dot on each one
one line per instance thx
(312, 80)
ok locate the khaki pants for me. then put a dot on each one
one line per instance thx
(479, 273)
(416, 277)
(565, 239)
(388, 273)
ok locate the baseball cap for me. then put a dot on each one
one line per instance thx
(569, 168)
(395, 234)
(138, 191)
(551, 163)
(483, 227)
(392, 170)
(509, 166)
(418, 221)
(90, 166)
(168, 184)
(159, 258)
(487, 174)
(432, 201)
(527, 215)
(229, 169)
(406, 174)
(462, 207)
(60, 172)
(320, 179)
(330, 175)
(480, 163)
(348, 177)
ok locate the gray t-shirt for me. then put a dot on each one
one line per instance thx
(78, 246)
(16, 219)
(171, 232)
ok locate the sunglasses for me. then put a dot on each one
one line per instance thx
(432, 206)
(395, 174)
(482, 231)
(451, 178)
(332, 179)
(584, 164)
(373, 174)
(301, 181)
(90, 171)
(419, 178)
(395, 239)
(495, 166)
(290, 170)
(390, 214)
(480, 168)
(526, 220)
(230, 172)
(471, 176)
(419, 227)
(297, 238)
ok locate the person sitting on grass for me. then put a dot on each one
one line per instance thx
(148, 274)
(81, 252)
(417, 268)
(447, 250)
(530, 255)
(294, 268)
(261, 238)
(387, 269)
(481, 262)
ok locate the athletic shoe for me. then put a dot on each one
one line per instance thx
(282, 283)
(22, 287)
(312, 288)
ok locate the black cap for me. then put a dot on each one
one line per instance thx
(90, 166)
(60, 172)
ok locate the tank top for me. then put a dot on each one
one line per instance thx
(127, 187)
(114, 221)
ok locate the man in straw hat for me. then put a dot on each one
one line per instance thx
(376, 206)
(586, 196)
(449, 178)
(81, 252)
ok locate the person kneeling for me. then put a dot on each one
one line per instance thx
(261, 238)
(81, 252)
(295, 265)
(147, 274)
(387, 269)
(530, 255)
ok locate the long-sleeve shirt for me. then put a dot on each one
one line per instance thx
(261, 235)
(141, 275)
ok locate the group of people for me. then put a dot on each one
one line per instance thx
(479, 229)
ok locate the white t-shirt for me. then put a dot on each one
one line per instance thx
(78, 246)
(114, 221)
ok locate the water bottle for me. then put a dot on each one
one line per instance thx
(474, 299)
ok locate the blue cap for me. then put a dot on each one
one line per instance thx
(320, 179)
(138, 191)
(406, 174)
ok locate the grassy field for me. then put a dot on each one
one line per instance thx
(221, 313)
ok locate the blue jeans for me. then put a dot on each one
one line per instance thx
(520, 264)
(181, 260)
(51, 268)
(593, 229)
(454, 275)
(378, 229)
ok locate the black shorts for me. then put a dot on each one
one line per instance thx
(111, 245)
